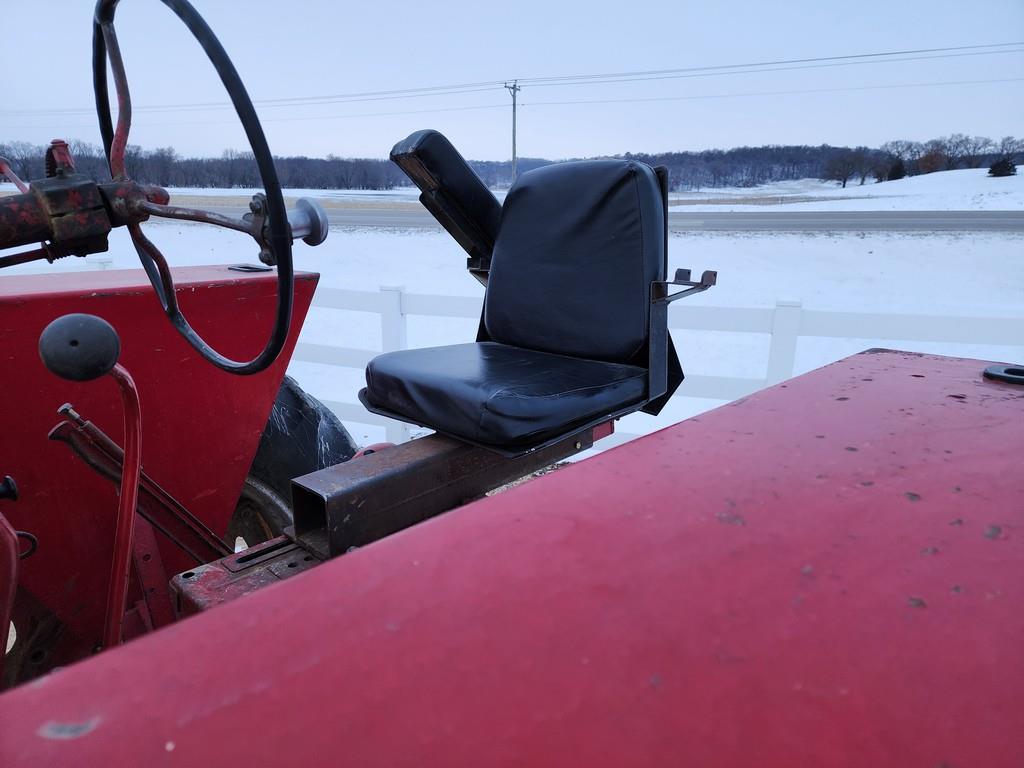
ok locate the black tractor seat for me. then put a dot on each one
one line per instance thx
(500, 395)
(574, 328)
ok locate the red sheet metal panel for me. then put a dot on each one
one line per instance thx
(828, 573)
(200, 425)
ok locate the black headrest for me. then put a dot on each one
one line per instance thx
(578, 247)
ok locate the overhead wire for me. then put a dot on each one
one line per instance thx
(782, 65)
(503, 105)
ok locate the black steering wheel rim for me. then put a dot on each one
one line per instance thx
(278, 240)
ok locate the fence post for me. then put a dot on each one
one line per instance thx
(393, 339)
(785, 332)
(392, 318)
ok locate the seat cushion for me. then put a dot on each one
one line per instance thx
(578, 247)
(499, 395)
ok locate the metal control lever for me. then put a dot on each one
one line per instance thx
(80, 347)
(308, 221)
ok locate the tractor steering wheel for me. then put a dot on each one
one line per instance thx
(275, 235)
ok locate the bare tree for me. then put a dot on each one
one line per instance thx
(133, 160)
(26, 159)
(901, 149)
(863, 162)
(840, 167)
(933, 160)
(953, 149)
(975, 150)
(160, 165)
(881, 165)
(1009, 147)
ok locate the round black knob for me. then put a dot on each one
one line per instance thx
(79, 347)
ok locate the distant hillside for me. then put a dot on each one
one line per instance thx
(969, 189)
(738, 167)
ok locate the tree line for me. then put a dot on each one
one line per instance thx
(233, 169)
(738, 167)
(897, 159)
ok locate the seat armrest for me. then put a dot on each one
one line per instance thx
(660, 288)
(453, 193)
(659, 341)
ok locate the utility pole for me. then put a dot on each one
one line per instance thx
(514, 89)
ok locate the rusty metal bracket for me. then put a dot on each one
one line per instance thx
(238, 575)
(78, 219)
(69, 214)
(365, 499)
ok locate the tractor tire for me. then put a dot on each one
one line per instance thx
(302, 435)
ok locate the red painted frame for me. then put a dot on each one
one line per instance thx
(827, 573)
(200, 425)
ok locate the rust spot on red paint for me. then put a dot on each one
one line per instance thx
(730, 519)
(994, 532)
(66, 731)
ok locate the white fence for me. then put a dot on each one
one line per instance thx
(786, 323)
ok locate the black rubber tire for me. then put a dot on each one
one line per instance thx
(302, 435)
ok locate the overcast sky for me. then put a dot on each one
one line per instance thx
(309, 48)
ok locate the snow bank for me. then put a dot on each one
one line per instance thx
(964, 190)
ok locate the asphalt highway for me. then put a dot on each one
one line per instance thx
(408, 217)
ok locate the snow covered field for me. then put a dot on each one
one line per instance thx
(965, 190)
(968, 275)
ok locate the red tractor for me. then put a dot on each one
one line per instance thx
(826, 573)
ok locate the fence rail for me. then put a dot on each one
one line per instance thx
(785, 323)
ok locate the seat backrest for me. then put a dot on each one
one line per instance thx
(578, 246)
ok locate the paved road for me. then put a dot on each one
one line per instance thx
(859, 221)
(723, 221)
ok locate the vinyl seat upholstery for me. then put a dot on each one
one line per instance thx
(498, 394)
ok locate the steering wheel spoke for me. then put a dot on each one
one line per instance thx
(183, 213)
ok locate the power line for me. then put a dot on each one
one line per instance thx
(592, 101)
(774, 69)
(771, 93)
(584, 79)
(536, 80)
(229, 121)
